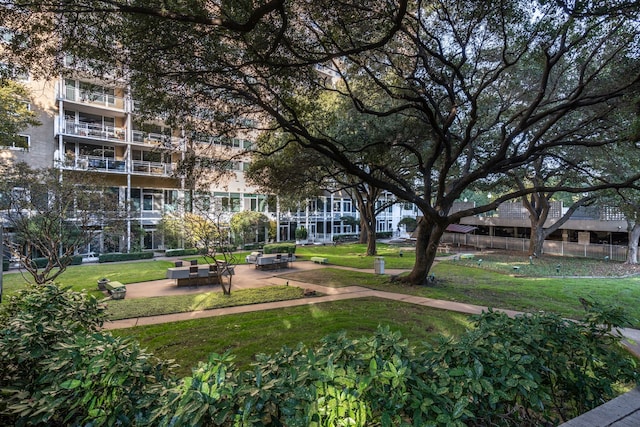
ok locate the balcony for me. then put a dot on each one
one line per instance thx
(96, 99)
(157, 140)
(94, 163)
(102, 164)
(152, 168)
(93, 130)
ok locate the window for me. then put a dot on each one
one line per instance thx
(6, 35)
(14, 72)
(19, 142)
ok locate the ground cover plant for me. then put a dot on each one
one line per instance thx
(60, 369)
(547, 265)
(140, 307)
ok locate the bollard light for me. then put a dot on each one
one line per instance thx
(558, 268)
(479, 261)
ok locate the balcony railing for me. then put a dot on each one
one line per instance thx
(96, 163)
(94, 130)
(93, 98)
(152, 168)
(157, 139)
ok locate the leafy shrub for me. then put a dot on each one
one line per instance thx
(42, 262)
(58, 369)
(301, 233)
(125, 257)
(5, 265)
(279, 248)
(252, 246)
(182, 252)
(346, 238)
(536, 369)
(409, 223)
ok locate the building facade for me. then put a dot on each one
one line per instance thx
(89, 127)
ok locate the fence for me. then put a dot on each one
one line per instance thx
(553, 247)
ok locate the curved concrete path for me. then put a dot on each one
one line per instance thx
(247, 276)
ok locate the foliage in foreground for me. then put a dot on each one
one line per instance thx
(59, 368)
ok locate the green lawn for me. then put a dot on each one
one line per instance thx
(491, 282)
(80, 277)
(352, 255)
(248, 334)
(140, 307)
(455, 282)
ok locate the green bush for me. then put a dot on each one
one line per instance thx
(42, 262)
(537, 369)
(125, 257)
(5, 265)
(279, 248)
(252, 246)
(384, 235)
(346, 238)
(182, 252)
(301, 233)
(59, 369)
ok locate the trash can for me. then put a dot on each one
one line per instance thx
(378, 265)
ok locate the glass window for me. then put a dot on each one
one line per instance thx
(20, 142)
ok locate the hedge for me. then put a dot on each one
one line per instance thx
(125, 257)
(42, 262)
(280, 248)
(181, 252)
(60, 368)
(195, 251)
(5, 265)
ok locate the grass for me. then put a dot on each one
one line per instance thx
(537, 286)
(141, 307)
(353, 255)
(455, 282)
(248, 334)
(80, 277)
(548, 266)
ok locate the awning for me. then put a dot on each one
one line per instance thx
(459, 228)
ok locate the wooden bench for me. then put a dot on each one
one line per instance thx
(116, 289)
(319, 260)
(444, 248)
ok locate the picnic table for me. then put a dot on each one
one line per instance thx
(271, 262)
(202, 274)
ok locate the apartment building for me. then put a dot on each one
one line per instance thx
(90, 127)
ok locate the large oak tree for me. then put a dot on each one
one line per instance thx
(486, 87)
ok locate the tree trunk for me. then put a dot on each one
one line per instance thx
(368, 222)
(371, 242)
(634, 236)
(536, 241)
(364, 235)
(428, 237)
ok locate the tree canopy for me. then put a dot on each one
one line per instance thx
(15, 115)
(476, 89)
(51, 218)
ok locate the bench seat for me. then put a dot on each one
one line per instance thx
(116, 289)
